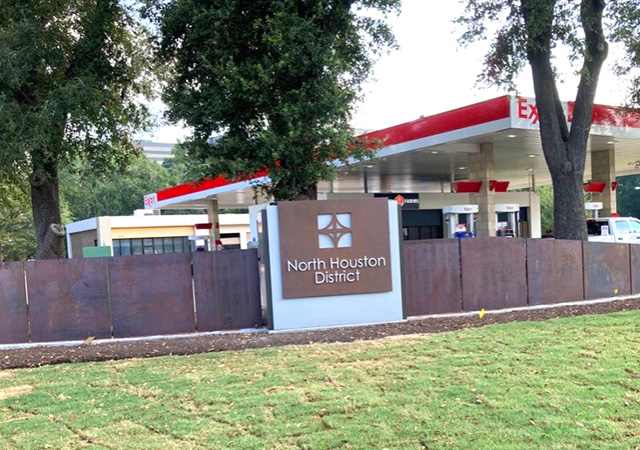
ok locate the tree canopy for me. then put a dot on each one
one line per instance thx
(531, 32)
(92, 193)
(276, 78)
(72, 74)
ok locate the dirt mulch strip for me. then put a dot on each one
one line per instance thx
(38, 356)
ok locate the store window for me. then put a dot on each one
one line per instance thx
(150, 246)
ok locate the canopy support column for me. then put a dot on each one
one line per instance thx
(481, 168)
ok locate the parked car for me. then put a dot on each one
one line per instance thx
(614, 229)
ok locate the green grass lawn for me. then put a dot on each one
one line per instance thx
(563, 384)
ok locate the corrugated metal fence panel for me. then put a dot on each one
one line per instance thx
(227, 288)
(554, 271)
(151, 294)
(493, 273)
(606, 269)
(13, 304)
(431, 277)
(635, 268)
(68, 299)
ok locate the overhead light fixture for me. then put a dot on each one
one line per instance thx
(368, 166)
(434, 152)
(512, 135)
(611, 142)
(532, 156)
(461, 168)
(637, 188)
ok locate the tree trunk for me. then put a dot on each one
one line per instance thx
(565, 149)
(295, 183)
(45, 204)
(309, 193)
(568, 206)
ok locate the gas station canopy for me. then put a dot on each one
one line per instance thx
(428, 155)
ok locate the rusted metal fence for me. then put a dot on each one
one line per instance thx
(448, 276)
(216, 274)
(431, 277)
(493, 273)
(129, 296)
(68, 299)
(607, 269)
(13, 304)
(152, 295)
(554, 271)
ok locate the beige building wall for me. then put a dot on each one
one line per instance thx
(151, 232)
(81, 240)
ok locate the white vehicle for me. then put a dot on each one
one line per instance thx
(614, 229)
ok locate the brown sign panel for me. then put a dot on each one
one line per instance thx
(334, 247)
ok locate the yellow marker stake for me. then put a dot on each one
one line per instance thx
(615, 291)
(481, 313)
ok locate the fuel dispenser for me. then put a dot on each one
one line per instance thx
(507, 219)
(200, 243)
(460, 220)
(593, 206)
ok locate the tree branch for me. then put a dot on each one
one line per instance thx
(597, 50)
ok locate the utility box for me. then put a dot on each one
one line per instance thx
(96, 252)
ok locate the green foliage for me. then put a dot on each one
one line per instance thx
(546, 208)
(628, 196)
(16, 224)
(569, 383)
(624, 18)
(71, 71)
(72, 74)
(277, 79)
(179, 166)
(93, 193)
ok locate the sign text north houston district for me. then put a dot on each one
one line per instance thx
(335, 270)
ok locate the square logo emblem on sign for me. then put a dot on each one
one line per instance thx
(334, 230)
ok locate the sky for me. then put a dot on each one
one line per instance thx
(430, 73)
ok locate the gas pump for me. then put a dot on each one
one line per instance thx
(593, 206)
(460, 220)
(510, 212)
(200, 243)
